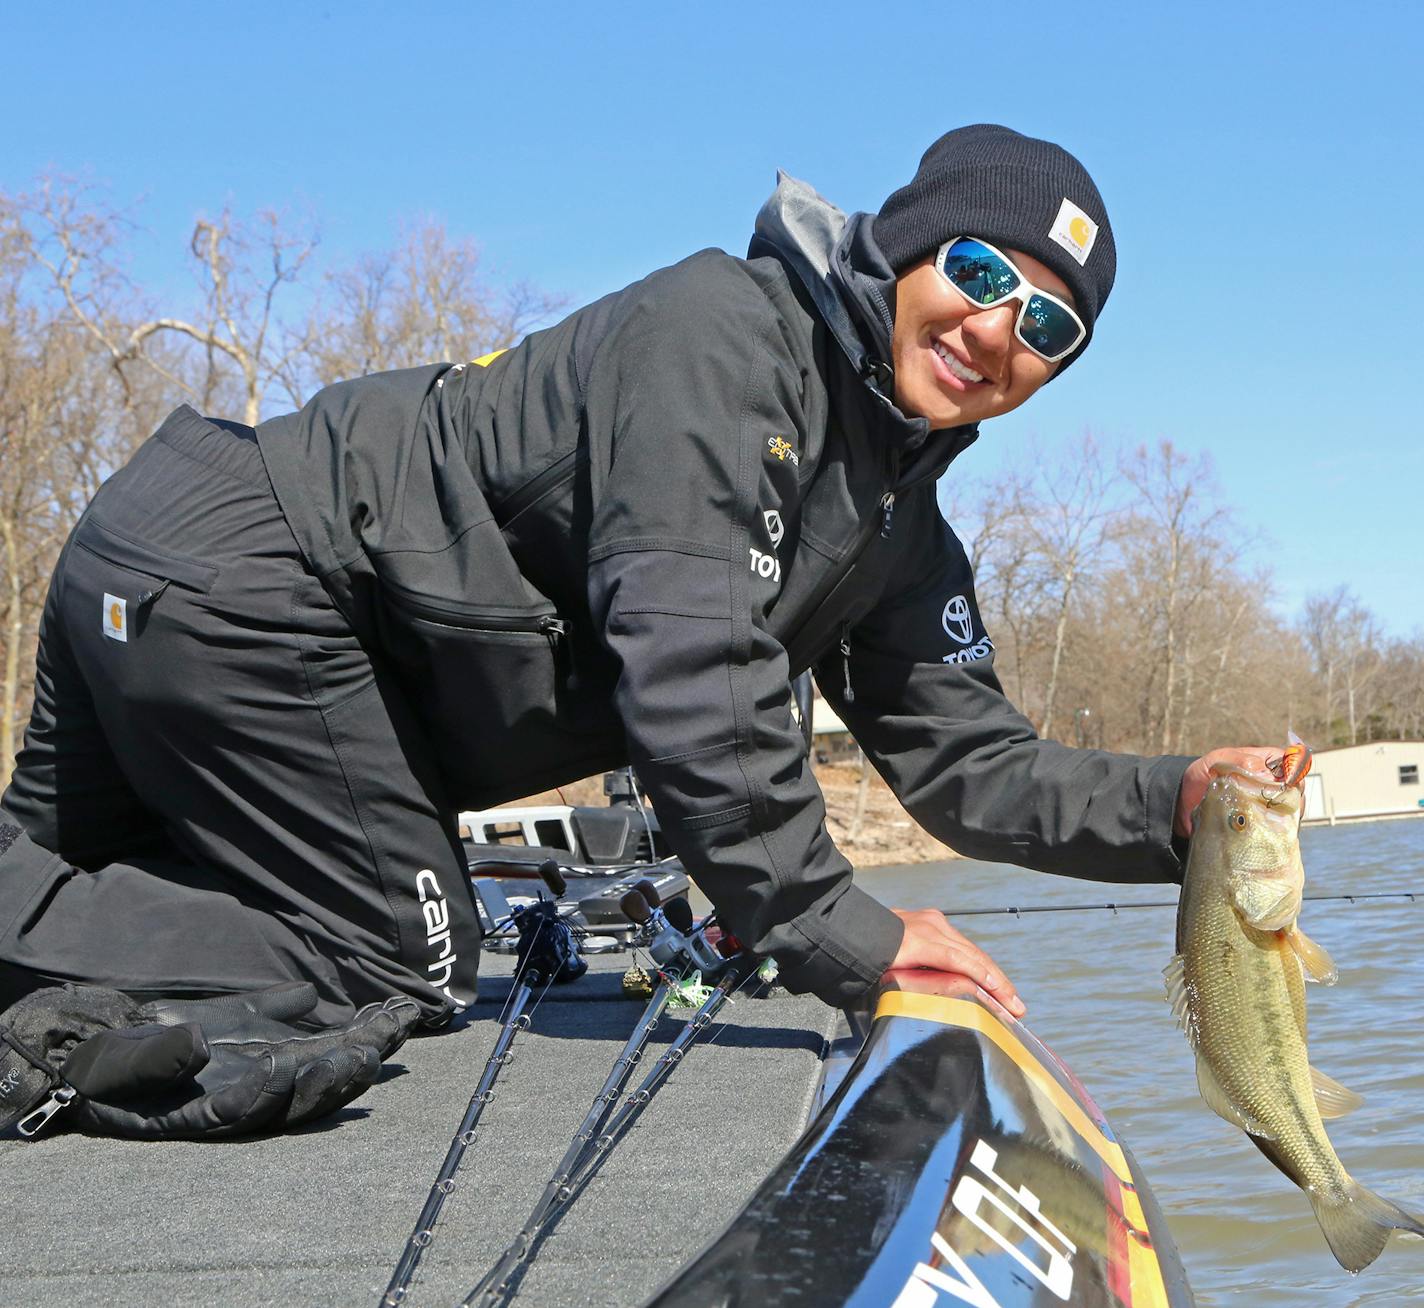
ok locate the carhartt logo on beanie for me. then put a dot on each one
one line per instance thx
(1019, 193)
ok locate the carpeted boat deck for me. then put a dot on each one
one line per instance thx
(319, 1217)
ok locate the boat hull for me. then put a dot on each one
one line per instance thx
(958, 1162)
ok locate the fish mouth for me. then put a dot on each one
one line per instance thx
(1236, 770)
(1263, 788)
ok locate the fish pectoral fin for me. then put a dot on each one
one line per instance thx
(1220, 1103)
(1266, 903)
(1332, 1098)
(1318, 964)
(1177, 995)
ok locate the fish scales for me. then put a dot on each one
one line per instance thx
(1237, 985)
(1252, 982)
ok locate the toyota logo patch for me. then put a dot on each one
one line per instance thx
(958, 622)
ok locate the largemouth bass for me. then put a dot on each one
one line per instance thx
(1237, 986)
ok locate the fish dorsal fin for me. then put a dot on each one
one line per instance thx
(1332, 1098)
(1266, 903)
(1318, 964)
(1220, 1104)
(1176, 977)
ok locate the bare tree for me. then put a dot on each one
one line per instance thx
(426, 301)
(1182, 548)
(241, 270)
(1070, 524)
(1346, 648)
(62, 430)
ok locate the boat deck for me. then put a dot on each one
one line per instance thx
(320, 1216)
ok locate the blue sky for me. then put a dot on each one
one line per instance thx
(1260, 162)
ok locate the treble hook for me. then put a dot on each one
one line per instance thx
(1290, 768)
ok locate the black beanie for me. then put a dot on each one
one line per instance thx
(1019, 193)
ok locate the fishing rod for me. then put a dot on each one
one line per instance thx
(1017, 910)
(547, 952)
(675, 944)
(642, 906)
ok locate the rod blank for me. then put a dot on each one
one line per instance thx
(1113, 907)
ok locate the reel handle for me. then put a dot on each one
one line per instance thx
(551, 876)
(679, 915)
(649, 892)
(636, 908)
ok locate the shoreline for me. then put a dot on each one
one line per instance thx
(863, 816)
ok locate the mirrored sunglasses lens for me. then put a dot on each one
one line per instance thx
(1048, 328)
(978, 272)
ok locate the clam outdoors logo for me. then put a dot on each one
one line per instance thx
(781, 450)
(958, 622)
(116, 610)
(774, 529)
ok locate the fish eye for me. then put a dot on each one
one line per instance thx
(1238, 821)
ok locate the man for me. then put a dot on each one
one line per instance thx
(274, 665)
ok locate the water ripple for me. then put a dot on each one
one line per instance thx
(1094, 988)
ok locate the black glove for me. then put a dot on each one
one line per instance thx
(186, 1069)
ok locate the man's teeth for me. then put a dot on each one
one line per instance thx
(957, 368)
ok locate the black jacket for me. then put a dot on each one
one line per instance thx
(621, 539)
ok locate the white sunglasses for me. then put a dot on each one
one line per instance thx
(985, 276)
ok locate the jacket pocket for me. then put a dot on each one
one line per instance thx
(492, 691)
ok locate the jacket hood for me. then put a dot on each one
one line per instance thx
(836, 258)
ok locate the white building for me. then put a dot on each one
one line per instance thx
(1381, 779)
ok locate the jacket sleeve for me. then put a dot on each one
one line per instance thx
(704, 413)
(930, 713)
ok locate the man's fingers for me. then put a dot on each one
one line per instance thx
(931, 942)
(977, 966)
(1253, 758)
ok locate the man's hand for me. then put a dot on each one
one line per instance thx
(930, 942)
(1254, 758)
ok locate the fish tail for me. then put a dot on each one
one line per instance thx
(1357, 1227)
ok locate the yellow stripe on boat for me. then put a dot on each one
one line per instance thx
(1144, 1275)
(960, 1012)
(1144, 1271)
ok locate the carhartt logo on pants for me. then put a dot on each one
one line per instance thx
(437, 933)
(116, 617)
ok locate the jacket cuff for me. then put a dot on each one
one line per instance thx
(1164, 784)
(850, 946)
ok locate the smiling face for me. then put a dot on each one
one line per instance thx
(956, 362)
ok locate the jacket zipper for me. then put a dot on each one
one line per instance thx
(845, 659)
(545, 624)
(536, 487)
(555, 631)
(886, 524)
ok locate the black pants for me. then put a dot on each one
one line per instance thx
(219, 788)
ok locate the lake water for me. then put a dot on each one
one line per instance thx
(1093, 985)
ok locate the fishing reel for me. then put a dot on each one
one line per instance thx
(548, 949)
(668, 933)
